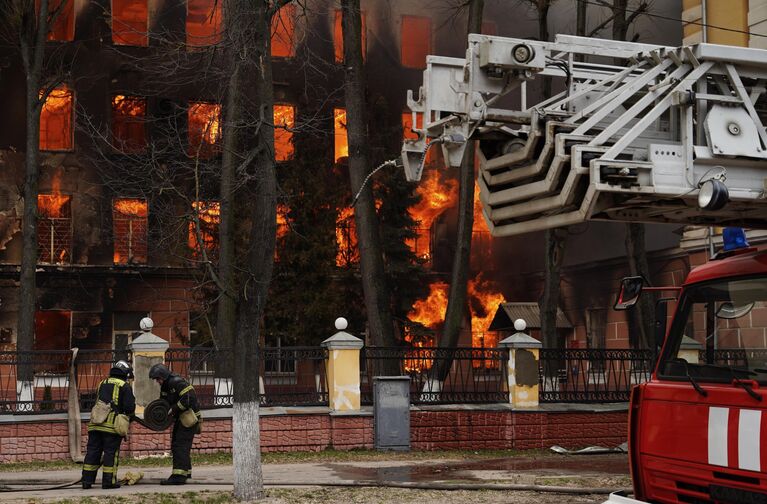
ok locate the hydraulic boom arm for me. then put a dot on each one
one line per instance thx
(669, 135)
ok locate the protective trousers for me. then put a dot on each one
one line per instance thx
(102, 443)
(181, 448)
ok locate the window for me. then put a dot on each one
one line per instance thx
(283, 227)
(128, 125)
(283, 32)
(203, 22)
(56, 120)
(208, 217)
(284, 121)
(489, 28)
(346, 239)
(129, 221)
(54, 228)
(338, 37)
(341, 141)
(416, 41)
(204, 128)
(129, 22)
(62, 15)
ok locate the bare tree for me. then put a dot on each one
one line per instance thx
(377, 298)
(459, 277)
(25, 26)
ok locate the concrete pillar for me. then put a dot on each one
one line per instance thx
(689, 350)
(148, 349)
(524, 352)
(343, 369)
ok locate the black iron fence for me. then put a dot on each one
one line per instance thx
(288, 376)
(591, 375)
(439, 375)
(38, 382)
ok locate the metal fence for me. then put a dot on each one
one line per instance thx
(439, 375)
(288, 376)
(592, 375)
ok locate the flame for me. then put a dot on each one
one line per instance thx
(204, 125)
(339, 134)
(54, 205)
(284, 121)
(209, 216)
(282, 228)
(430, 312)
(131, 207)
(346, 238)
(484, 299)
(438, 193)
(130, 220)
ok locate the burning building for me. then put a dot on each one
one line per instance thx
(108, 252)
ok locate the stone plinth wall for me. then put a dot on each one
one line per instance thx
(45, 437)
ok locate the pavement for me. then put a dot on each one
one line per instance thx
(516, 470)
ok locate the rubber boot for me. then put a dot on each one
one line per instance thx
(175, 479)
(107, 486)
(87, 485)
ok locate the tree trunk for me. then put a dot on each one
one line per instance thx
(620, 24)
(580, 17)
(459, 276)
(553, 254)
(32, 42)
(262, 210)
(644, 311)
(377, 299)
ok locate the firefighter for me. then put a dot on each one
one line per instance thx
(116, 397)
(184, 407)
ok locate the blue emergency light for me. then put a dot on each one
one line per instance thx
(734, 238)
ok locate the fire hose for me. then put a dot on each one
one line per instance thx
(156, 418)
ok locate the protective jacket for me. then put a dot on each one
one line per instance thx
(115, 391)
(179, 394)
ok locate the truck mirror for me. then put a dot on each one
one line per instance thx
(631, 288)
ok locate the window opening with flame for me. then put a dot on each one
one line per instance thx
(346, 238)
(284, 122)
(283, 226)
(56, 118)
(54, 228)
(438, 192)
(338, 37)
(203, 22)
(53, 329)
(62, 12)
(129, 22)
(130, 226)
(204, 128)
(283, 32)
(208, 218)
(129, 123)
(340, 138)
(416, 41)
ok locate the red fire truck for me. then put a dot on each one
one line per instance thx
(695, 429)
(640, 133)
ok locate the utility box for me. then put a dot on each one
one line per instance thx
(391, 409)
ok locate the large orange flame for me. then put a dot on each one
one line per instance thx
(341, 141)
(438, 193)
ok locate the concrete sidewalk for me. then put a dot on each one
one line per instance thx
(517, 470)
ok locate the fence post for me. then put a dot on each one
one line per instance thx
(689, 350)
(148, 349)
(343, 369)
(524, 352)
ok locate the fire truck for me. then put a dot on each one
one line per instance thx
(635, 132)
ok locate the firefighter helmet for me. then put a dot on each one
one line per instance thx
(159, 371)
(122, 368)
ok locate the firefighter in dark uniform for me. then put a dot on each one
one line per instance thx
(181, 397)
(103, 441)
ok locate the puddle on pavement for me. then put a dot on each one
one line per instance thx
(614, 465)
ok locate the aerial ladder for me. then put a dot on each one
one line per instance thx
(636, 132)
